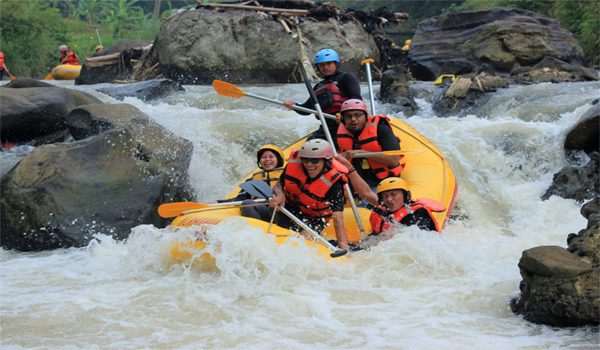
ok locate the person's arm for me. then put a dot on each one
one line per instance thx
(388, 142)
(358, 183)
(340, 230)
(278, 198)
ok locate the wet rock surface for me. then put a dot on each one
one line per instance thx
(516, 43)
(144, 90)
(30, 114)
(199, 45)
(585, 135)
(561, 287)
(577, 182)
(120, 167)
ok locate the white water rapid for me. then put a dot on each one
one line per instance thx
(420, 290)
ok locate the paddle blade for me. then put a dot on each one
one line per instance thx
(171, 210)
(257, 188)
(224, 88)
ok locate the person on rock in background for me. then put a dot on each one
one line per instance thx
(335, 88)
(68, 56)
(4, 68)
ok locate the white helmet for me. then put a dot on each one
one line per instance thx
(63, 47)
(316, 148)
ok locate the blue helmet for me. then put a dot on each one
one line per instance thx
(327, 55)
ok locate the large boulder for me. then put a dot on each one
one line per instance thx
(113, 64)
(21, 83)
(199, 45)
(585, 135)
(577, 182)
(144, 90)
(500, 39)
(112, 178)
(32, 115)
(395, 89)
(561, 287)
(466, 93)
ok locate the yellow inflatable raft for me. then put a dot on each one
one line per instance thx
(64, 72)
(426, 170)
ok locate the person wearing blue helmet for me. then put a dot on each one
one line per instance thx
(335, 88)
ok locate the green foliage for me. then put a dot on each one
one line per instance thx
(32, 30)
(29, 36)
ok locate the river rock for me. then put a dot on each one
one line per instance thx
(561, 287)
(27, 83)
(29, 115)
(113, 64)
(112, 178)
(577, 182)
(502, 39)
(395, 89)
(585, 135)
(466, 92)
(199, 45)
(144, 90)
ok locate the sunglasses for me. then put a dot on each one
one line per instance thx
(311, 160)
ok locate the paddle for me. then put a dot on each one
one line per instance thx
(229, 90)
(383, 153)
(171, 210)
(367, 62)
(257, 188)
(349, 194)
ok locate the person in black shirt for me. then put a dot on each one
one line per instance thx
(359, 133)
(335, 88)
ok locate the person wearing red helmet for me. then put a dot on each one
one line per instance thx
(358, 132)
(332, 91)
(311, 187)
(68, 56)
(4, 68)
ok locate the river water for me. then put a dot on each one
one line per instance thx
(420, 290)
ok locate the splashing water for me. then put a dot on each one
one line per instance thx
(419, 290)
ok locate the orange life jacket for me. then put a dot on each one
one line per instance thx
(335, 98)
(1, 60)
(367, 140)
(380, 223)
(70, 58)
(309, 196)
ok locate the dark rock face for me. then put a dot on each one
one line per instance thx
(110, 180)
(502, 39)
(579, 183)
(115, 63)
(561, 287)
(27, 83)
(395, 89)
(466, 93)
(585, 136)
(197, 46)
(31, 114)
(145, 90)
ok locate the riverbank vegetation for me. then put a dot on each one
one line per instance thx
(32, 30)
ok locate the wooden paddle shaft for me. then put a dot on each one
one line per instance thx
(295, 107)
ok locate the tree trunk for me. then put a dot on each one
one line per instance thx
(156, 12)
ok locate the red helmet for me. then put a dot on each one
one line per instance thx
(354, 104)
